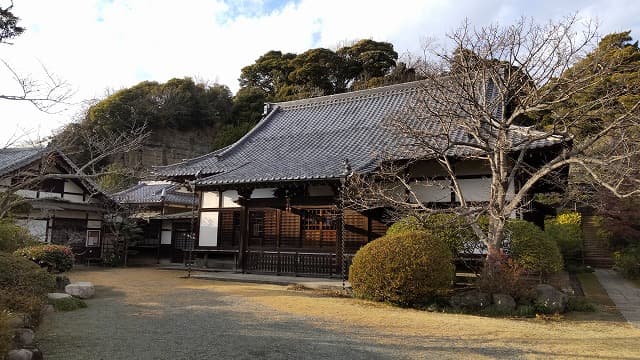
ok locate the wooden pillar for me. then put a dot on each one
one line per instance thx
(339, 240)
(244, 227)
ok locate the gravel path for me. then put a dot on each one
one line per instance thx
(152, 314)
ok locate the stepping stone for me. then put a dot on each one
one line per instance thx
(82, 290)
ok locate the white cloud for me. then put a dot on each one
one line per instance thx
(98, 45)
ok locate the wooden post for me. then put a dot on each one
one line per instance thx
(244, 226)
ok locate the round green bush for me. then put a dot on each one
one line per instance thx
(450, 228)
(532, 249)
(54, 257)
(405, 269)
(23, 285)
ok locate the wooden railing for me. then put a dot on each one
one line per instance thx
(295, 263)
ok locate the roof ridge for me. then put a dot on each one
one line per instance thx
(352, 95)
(185, 161)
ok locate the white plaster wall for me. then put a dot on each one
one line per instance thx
(94, 224)
(208, 229)
(70, 186)
(210, 199)
(74, 198)
(229, 199)
(165, 234)
(263, 193)
(30, 194)
(50, 195)
(432, 191)
(475, 189)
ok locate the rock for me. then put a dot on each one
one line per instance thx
(23, 337)
(549, 298)
(82, 290)
(20, 354)
(37, 354)
(471, 299)
(19, 320)
(57, 296)
(503, 302)
(61, 282)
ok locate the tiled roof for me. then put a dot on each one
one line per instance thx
(152, 194)
(310, 139)
(14, 158)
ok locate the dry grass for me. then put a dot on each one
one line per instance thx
(443, 335)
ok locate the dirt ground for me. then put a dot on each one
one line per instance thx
(143, 313)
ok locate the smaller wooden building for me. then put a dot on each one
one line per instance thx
(164, 212)
(63, 208)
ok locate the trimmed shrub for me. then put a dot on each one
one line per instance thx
(450, 228)
(628, 262)
(68, 304)
(532, 249)
(404, 269)
(54, 257)
(13, 237)
(23, 285)
(566, 230)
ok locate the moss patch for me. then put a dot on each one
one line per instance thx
(68, 304)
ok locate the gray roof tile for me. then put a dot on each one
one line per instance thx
(310, 139)
(151, 194)
(14, 158)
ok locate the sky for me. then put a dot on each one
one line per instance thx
(99, 46)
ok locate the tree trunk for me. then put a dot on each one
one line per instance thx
(495, 237)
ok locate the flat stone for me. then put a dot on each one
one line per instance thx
(82, 290)
(20, 354)
(57, 296)
(23, 337)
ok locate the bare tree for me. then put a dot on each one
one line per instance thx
(471, 106)
(46, 93)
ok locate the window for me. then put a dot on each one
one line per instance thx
(93, 238)
(320, 227)
(256, 224)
